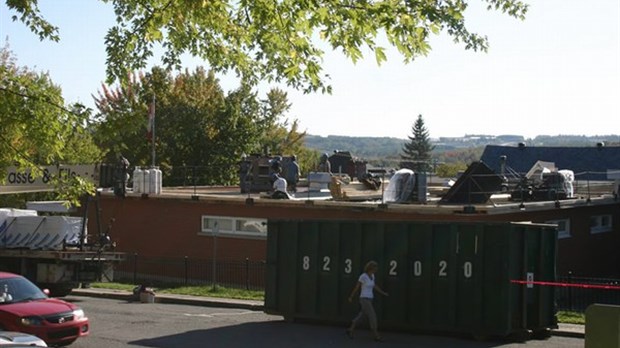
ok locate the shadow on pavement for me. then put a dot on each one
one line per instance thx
(284, 334)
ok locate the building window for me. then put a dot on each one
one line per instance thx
(216, 223)
(563, 227)
(233, 226)
(600, 223)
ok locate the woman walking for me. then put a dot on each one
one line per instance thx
(366, 286)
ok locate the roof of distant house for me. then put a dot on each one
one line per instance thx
(588, 163)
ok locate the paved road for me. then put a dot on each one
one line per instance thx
(116, 323)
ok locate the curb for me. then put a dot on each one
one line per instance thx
(565, 333)
(102, 294)
(166, 298)
(209, 302)
(570, 330)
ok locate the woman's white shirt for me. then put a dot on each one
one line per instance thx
(368, 284)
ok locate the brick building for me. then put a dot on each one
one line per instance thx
(179, 224)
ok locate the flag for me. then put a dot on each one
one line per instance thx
(150, 126)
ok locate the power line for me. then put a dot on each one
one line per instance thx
(18, 152)
(43, 99)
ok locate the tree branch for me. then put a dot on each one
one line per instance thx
(44, 99)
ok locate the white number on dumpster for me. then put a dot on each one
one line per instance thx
(417, 268)
(467, 269)
(348, 266)
(326, 261)
(393, 265)
(306, 263)
(443, 265)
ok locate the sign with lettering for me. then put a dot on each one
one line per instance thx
(16, 180)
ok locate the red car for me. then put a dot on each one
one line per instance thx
(25, 308)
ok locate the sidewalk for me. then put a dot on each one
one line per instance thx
(568, 330)
(176, 299)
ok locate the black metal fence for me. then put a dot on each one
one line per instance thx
(580, 292)
(191, 176)
(576, 294)
(241, 274)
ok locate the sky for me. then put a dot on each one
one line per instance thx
(555, 73)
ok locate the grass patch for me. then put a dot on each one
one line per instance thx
(113, 286)
(219, 291)
(571, 318)
(206, 290)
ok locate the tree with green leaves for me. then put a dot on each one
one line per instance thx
(198, 127)
(282, 136)
(39, 130)
(279, 135)
(417, 152)
(195, 125)
(275, 41)
(450, 170)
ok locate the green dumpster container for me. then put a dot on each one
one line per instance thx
(442, 277)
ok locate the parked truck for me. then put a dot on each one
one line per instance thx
(54, 251)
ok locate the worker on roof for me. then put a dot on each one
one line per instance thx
(292, 174)
(324, 165)
(279, 188)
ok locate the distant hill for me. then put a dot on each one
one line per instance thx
(574, 140)
(363, 147)
(458, 148)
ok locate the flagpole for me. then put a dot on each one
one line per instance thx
(153, 135)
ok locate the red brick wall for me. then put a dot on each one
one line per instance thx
(590, 255)
(583, 253)
(169, 227)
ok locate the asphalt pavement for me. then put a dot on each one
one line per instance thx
(568, 330)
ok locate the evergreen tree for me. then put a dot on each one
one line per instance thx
(417, 152)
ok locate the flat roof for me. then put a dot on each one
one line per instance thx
(358, 197)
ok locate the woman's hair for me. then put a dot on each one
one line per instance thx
(371, 265)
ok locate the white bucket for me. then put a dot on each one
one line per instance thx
(147, 297)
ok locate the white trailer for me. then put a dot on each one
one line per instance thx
(53, 251)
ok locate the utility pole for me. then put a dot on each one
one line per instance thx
(153, 130)
(216, 229)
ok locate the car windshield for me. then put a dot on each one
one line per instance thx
(18, 289)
